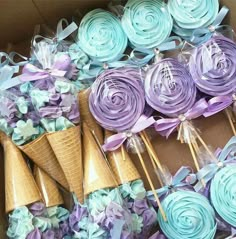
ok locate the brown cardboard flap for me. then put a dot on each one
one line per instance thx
(17, 20)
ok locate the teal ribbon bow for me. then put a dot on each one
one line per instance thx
(94, 68)
(61, 34)
(141, 57)
(201, 35)
(177, 181)
(208, 172)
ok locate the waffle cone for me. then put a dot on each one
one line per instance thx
(20, 186)
(97, 174)
(48, 188)
(41, 153)
(66, 145)
(87, 117)
(122, 165)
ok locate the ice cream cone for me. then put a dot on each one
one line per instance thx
(122, 165)
(20, 186)
(41, 153)
(87, 117)
(48, 188)
(66, 145)
(97, 174)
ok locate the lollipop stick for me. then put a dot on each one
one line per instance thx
(150, 181)
(204, 144)
(150, 148)
(123, 152)
(195, 161)
(230, 121)
(153, 156)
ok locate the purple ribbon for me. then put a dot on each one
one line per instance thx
(115, 141)
(33, 73)
(219, 103)
(167, 126)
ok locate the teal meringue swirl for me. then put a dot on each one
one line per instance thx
(189, 216)
(147, 23)
(223, 193)
(189, 15)
(20, 223)
(101, 36)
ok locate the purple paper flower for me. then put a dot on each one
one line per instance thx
(38, 209)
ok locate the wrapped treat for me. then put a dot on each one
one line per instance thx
(102, 38)
(189, 214)
(149, 34)
(117, 102)
(212, 66)
(170, 90)
(196, 21)
(105, 204)
(218, 172)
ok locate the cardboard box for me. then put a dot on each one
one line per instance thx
(17, 22)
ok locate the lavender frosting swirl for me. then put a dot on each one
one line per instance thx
(117, 99)
(169, 88)
(213, 66)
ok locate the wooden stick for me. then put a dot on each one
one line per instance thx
(180, 136)
(123, 152)
(230, 121)
(150, 181)
(204, 144)
(195, 161)
(153, 156)
(150, 148)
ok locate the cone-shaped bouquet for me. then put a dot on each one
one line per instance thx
(121, 164)
(87, 117)
(97, 174)
(48, 188)
(66, 145)
(41, 153)
(20, 187)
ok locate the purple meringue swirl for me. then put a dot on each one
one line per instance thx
(117, 99)
(169, 88)
(213, 66)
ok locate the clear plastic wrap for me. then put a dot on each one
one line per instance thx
(219, 173)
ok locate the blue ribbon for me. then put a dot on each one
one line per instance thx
(201, 35)
(61, 33)
(4, 59)
(24, 60)
(208, 172)
(94, 68)
(6, 80)
(177, 182)
(141, 57)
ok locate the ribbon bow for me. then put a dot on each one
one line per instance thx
(226, 157)
(23, 59)
(166, 126)
(61, 33)
(141, 57)
(115, 141)
(219, 103)
(177, 181)
(94, 68)
(203, 34)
